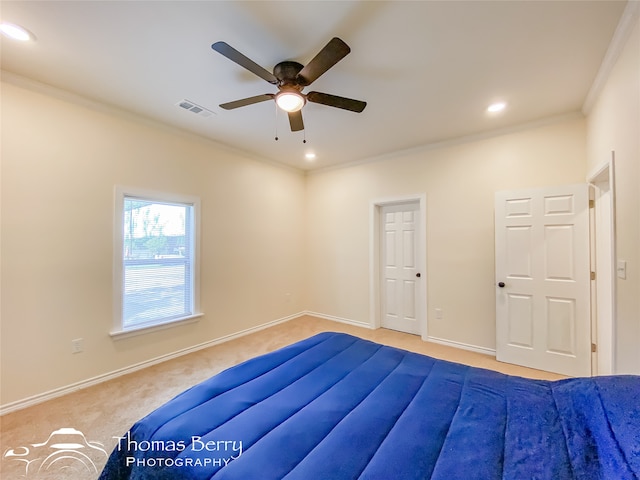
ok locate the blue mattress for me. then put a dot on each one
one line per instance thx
(335, 406)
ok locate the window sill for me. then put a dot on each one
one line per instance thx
(144, 329)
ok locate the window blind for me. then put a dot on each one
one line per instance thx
(158, 280)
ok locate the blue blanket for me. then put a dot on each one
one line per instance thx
(334, 406)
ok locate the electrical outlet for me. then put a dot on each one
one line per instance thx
(77, 345)
(287, 297)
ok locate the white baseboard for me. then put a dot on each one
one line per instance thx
(441, 341)
(348, 321)
(463, 346)
(59, 392)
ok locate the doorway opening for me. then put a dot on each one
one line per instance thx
(603, 249)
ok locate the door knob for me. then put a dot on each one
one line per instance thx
(501, 284)
(418, 275)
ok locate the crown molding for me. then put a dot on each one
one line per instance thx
(616, 46)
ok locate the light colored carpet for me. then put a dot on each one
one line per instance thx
(105, 412)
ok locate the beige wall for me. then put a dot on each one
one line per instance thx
(614, 125)
(60, 162)
(268, 231)
(459, 182)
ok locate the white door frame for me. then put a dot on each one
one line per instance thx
(604, 314)
(374, 258)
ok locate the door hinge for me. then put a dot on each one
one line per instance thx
(593, 275)
(594, 348)
(592, 203)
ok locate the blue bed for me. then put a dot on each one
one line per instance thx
(335, 406)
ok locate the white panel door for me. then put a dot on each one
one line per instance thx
(543, 279)
(399, 267)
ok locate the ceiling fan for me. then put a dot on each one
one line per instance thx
(291, 78)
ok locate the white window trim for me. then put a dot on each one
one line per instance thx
(134, 331)
(120, 192)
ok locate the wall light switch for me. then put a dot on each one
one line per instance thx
(621, 269)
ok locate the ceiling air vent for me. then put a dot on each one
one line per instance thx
(194, 108)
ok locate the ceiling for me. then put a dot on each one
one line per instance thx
(427, 69)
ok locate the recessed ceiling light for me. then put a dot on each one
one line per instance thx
(496, 107)
(15, 32)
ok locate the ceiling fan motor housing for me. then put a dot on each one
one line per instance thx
(287, 74)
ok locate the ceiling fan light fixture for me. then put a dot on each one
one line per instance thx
(290, 101)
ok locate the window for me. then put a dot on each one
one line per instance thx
(156, 269)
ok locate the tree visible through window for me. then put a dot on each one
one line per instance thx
(158, 254)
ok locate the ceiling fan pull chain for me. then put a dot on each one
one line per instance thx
(276, 122)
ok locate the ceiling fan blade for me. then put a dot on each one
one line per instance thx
(295, 120)
(237, 57)
(247, 101)
(332, 53)
(336, 101)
